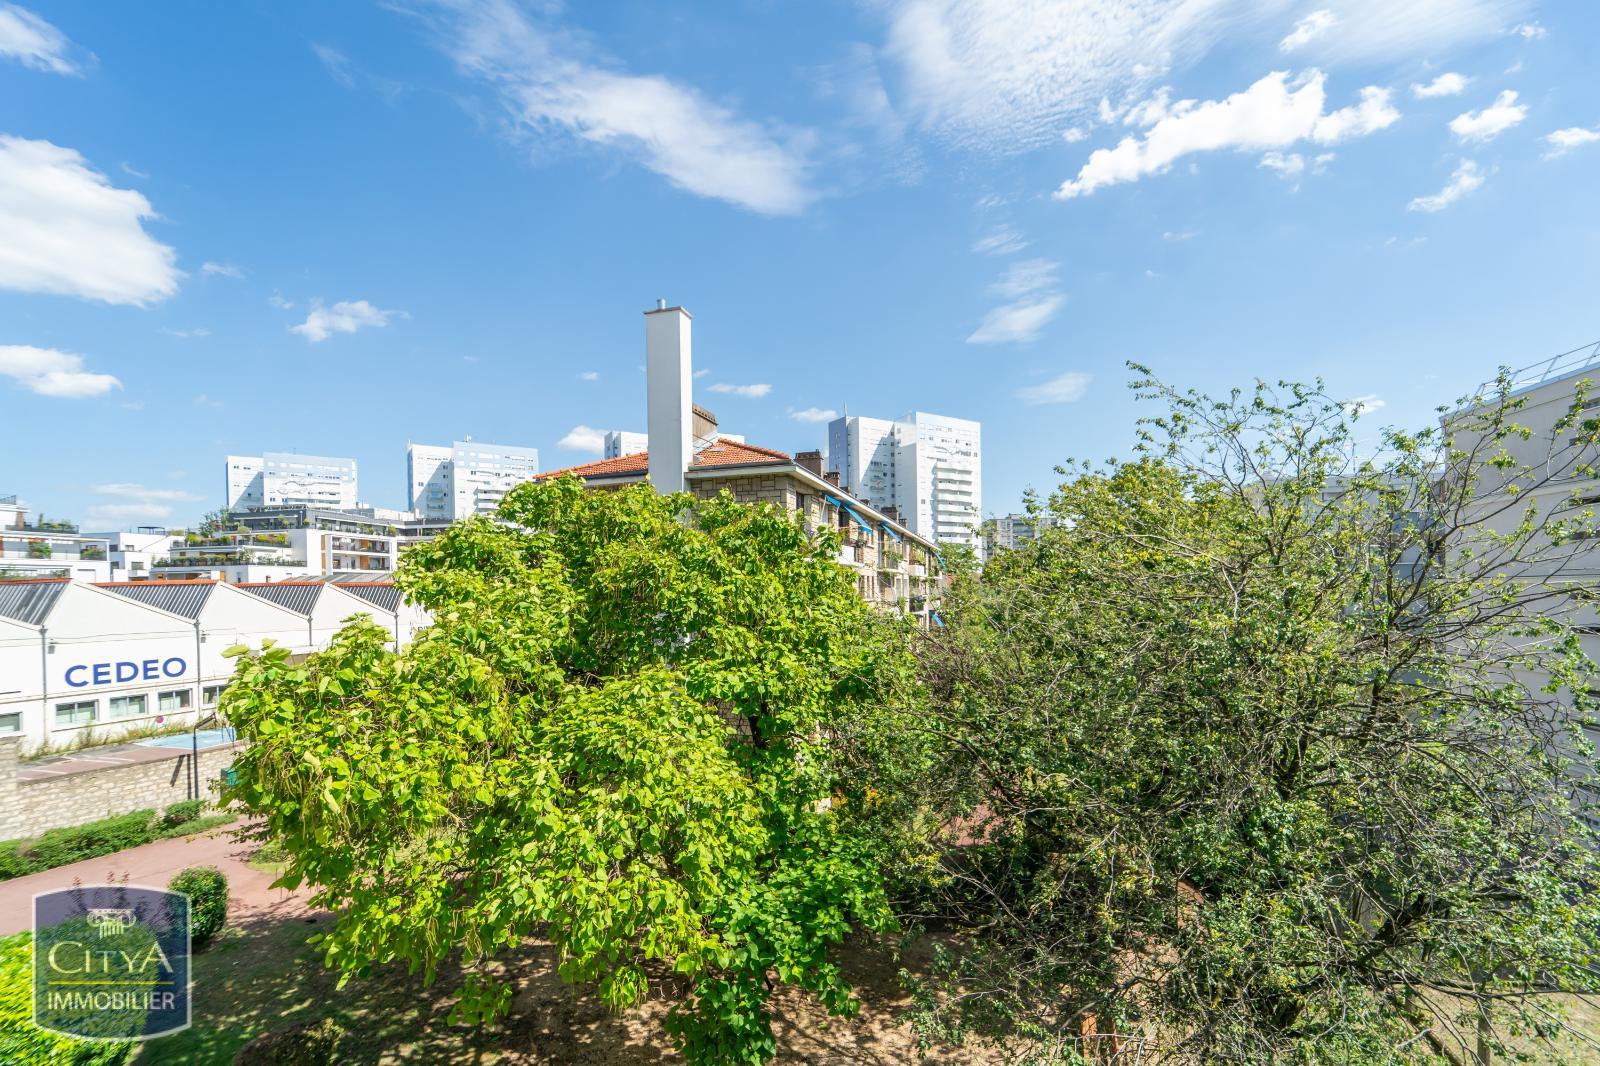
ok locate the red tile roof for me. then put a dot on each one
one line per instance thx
(720, 453)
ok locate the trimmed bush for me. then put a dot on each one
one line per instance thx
(180, 813)
(57, 847)
(21, 1042)
(207, 890)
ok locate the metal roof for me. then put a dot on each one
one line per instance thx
(298, 596)
(30, 601)
(385, 596)
(186, 598)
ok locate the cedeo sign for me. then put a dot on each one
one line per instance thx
(86, 674)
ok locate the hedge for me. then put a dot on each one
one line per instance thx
(207, 890)
(24, 1044)
(58, 847)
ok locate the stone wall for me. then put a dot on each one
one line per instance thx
(30, 806)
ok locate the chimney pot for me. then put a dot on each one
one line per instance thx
(810, 461)
(661, 305)
(832, 478)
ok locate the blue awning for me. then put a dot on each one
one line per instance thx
(890, 532)
(847, 509)
(933, 616)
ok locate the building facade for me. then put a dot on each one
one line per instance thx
(284, 543)
(469, 477)
(620, 442)
(893, 566)
(928, 467)
(84, 662)
(1012, 531)
(39, 547)
(286, 479)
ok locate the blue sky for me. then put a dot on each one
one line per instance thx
(332, 228)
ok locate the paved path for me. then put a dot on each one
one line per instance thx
(250, 896)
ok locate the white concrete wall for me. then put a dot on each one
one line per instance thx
(670, 382)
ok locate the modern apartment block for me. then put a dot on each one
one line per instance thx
(1014, 530)
(929, 467)
(467, 478)
(286, 479)
(620, 442)
(39, 547)
(284, 543)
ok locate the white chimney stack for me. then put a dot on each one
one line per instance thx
(670, 379)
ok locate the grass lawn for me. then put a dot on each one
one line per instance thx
(267, 977)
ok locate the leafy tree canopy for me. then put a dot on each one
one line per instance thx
(1270, 748)
(623, 733)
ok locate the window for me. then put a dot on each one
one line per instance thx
(11, 723)
(80, 713)
(127, 706)
(211, 694)
(179, 699)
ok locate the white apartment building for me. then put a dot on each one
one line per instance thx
(285, 543)
(620, 442)
(929, 467)
(280, 479)
(41, 548)
(1014, 530)
(78, 658)
(469, 477)
(133, 553)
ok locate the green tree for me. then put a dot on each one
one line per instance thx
(1267, 753)
(625, 731)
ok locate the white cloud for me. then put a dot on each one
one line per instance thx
(1074, 134)
(1492, 121)
(117, 515)
(1271, 114)
(65, 229)
(346, 316)
(1563, 141)
(35, 43)
(749, 392)
(1180, 235)
(185, 334)
(1017, 322)
(1365, 405)
(1010, 74)
(583, 439)
(1067, 388)
(221, 270)
(698, 374)
(1530, 31)
(335, 62)
(589, 375)
(1466, 178)
(547, 82)
(1308, 29)
(49, 372)
(1001, 241)
(814, 414)
(140, 492)
(1029, 289)
(1028, 276)
(203, 400)
(1286, 166)
(1446, 84)
(278, 300)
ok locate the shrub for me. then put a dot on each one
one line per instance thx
(178, 814)
(57, 847)
(23, 1043)
(207, 890)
